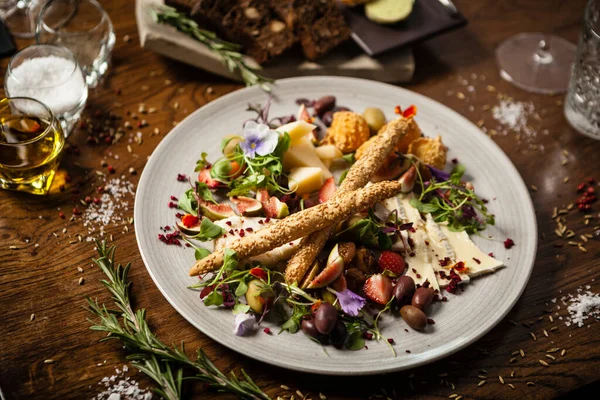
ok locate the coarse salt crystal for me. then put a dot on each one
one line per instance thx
(583, 306)
(514, 116)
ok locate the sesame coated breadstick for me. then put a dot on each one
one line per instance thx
(301, 224)
(358, 176)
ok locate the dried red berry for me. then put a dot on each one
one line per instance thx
(76, 211)
(508, 243)
(267, 331)
(61, 214)
(111, 169)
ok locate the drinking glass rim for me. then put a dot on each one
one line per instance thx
(9, 69)
(40, 22)
(41, 135)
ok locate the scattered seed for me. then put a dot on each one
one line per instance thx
(563, 352)
(569, 234)
(459, 398)
(501, 379)
(522, 353)
(322, 396)
(533, 336)
(453, 396)
(481, 383)
(545, 333)
(284, 387)
(553, 350)
(482, 376)
(156, 131)
(555, 212)
(512, 360)
(176, 105)
(564, 162)
(513, 323)
(544, 363)
(512, 374)
(129, 150)
(565, 179)
(550, 357)
(571, 243)
(49, 361)
(583, 249)
(168, 82)
(126, 38)
(299, 393)
(534, 188)
(550, 318)
(13, 247)
(81, 280)
(491, 88)
(511, 386)
(31, 317)
(132, 171)
(483, 371)
(530, 384)
(80, 269)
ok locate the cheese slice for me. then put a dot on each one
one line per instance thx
(235, 224)
(476, 261)
(304, 154)
(297, 130)
(442, 254)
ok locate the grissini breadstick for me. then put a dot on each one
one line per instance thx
(358, 176)
(301, 224)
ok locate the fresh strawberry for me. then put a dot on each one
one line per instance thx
(392, 262)
(378, 288)
(259, 273)
(189, 220)
(327, 190)
(205, 177)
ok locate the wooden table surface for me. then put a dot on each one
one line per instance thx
(40, 253)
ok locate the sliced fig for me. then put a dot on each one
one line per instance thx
(340, 284)
(327, 190)
(272, 206)
(408, 179)
(303, 114)
(247, 206)
(333, 269)
(230, 143)
(310, 275)
(216, 211)
(254, 296)
(189, 225)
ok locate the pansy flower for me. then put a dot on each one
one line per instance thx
(258, 139)
(350, 302)
(243, 323)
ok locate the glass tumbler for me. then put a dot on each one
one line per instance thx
(85, 28)
(50, 74)
(582, 105)
(31, 141)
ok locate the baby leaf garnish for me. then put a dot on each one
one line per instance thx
(203, 162)
(188, 203)
(452, 202)
(208, 231)
(203, 192)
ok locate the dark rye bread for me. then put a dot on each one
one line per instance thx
(254, 25)
(319, 24)
(209, 15)
(183, 6)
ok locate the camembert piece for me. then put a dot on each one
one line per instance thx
(234, 225)
(476, 261)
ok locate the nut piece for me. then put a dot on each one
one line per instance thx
(251, 13)
(431, 151)
(347, 250)
(348, 131)
(276, 26)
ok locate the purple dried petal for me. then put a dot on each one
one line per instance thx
(438, 174)
(350, 302)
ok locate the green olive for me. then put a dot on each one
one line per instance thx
(375, 118)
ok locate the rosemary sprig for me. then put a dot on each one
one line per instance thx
(162, 363)
(229, 52)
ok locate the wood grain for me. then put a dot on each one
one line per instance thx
(43, 280)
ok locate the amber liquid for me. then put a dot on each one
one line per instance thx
(27, 162)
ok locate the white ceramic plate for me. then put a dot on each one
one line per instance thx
(458, 322)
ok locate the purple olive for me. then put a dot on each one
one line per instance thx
(327, 118)
(337, 337)
(340, 108)
(325, 318)
(404, 290)
(309, 328)
(324, 104)
(423, 297)
(414, 317)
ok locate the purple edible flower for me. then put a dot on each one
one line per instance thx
(258, 139)
(438, 174)
(350, 302)
(243, 323)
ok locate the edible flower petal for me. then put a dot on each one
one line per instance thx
(258, 139)
(243, 323)
(350, 302)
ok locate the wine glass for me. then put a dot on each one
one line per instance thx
(20, 16)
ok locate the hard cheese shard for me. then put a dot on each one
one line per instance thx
(436, 249)
(419, 259)
(270, 258)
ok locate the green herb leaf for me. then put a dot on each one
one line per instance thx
(188, 203)
(349, 158)
(221, 170)
(215, 298)
(200, 253)
(343, 176)
(204, 192)
(457, 173)
(240, 308)
(356, 341)
(283, 145)
(292, 325)
(229, 260)
(425, 208)
(209, 231)
(241, 289)
(201, 163)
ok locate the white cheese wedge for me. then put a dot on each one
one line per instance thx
(477, 262)
(297, 130)
(305, 180)
(442, 253)
(270, 258)
(328, 152)
(303, 154)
